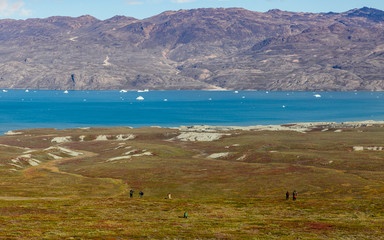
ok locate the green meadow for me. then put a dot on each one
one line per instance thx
(75, 183)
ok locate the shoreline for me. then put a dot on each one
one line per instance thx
(297, 127)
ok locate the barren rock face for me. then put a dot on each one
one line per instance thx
(197, 49)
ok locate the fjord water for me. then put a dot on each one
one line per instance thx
(20, 109)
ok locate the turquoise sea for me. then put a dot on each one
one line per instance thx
(21, 109)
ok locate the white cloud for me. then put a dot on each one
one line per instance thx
(182, 1)
(134, 2)
(10, 7)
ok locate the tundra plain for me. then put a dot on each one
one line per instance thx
(74, 183)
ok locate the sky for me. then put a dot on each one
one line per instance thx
(104, 9)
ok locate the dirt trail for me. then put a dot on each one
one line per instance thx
(52, 166)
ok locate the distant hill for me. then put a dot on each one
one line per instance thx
(197, 49)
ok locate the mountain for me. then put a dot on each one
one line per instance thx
(197, 49)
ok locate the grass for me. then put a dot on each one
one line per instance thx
(241, 196)
(225, 219)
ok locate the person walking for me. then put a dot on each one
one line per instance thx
(294, 195)
(141, 194)
(287, 195)
(131, 193)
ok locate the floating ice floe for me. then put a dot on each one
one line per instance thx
(140, 98)
(145, 90)
(236, 91)
(123, 91)
(317, 95)
(66, 91)
(26, 90)
(165, 100)
(5, 90)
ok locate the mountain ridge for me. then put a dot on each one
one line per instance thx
(226, 48)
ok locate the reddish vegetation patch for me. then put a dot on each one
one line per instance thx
(290, 169)
(320, 226)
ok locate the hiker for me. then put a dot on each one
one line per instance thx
(287, 195)
(186, 215)
(169, 196)
(131, 193)
(141, 194)
(294, 195)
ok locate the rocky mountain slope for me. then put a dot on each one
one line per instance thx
(197, 49)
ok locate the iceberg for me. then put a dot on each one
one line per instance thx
(140, 98)
(145, 90)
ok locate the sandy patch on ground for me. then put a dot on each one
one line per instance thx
(125, 137)
(24, 159)
(242, 158)
(54, 156)
(65, 150)
(70, 152)
(234, 145)
(129, 155)
(361, 148)
(219, 155)
(62, 139)
(200, 136)
(101, 138)
(11, 133)
(9, 146)
(118, 158)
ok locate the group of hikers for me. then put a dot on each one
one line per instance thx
(294, 195)
(141, 194)
(131, 193)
